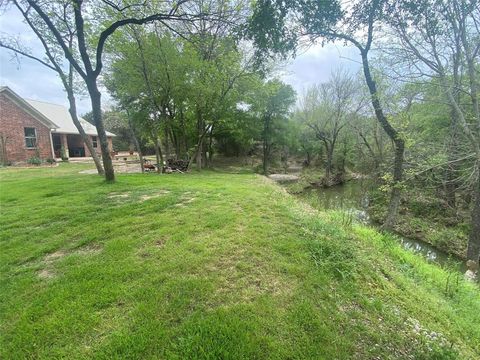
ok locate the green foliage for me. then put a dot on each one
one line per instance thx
(325, 112)
(277, 26)
(271, 106)
(425, 217)
(115, 122)
(182, 92)
(174, 90)
(34, 160)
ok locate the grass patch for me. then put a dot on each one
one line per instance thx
(211, 265)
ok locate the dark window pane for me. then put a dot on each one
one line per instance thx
(30, 142)
(30, 132)
(30, 137)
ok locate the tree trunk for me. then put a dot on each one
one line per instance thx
(194, 155)
(158, 153)
(450, 183)
(204, 156)
(395, 194)
(376, 163)
(266, 129)
(96, 102)
(199, 154)
(167, 143)
(265, 158)
(86, 139)
(176, 145)
(200, 134)
(397, 140)
(473, 251)
(473, 136)
(344, 156)
(328, 167)
(136, 142)
(68, 86)
(210, 147)
(184, 132)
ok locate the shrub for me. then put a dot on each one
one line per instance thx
(50, 161)
(6, 163)
(34, 160)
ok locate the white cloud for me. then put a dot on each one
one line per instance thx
(315, 65)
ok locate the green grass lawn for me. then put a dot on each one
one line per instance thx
(211, 266)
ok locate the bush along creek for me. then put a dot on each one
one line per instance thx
(425, 225)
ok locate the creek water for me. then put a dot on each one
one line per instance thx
(353, 197)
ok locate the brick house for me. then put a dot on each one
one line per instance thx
(29, 128)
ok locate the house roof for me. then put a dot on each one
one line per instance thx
(12, 95)
(55, 117)
(60, 116)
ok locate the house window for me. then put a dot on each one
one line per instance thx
(94, 141)
(30, 137)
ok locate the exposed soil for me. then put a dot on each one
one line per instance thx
(284, 177)
(49, 260)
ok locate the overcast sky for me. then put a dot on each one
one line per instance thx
(34, 81)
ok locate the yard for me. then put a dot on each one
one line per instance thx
(211, 265)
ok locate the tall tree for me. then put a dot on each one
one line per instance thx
(177, 86)
(54, 62)
(327, 108)
(277, 26)
(271, 106)
(435, 37)
(87, 21)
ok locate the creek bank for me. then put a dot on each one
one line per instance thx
(424, 218)
(437, 241)
(308, 180)
(335, 180)
(445, 238)
(283, 178)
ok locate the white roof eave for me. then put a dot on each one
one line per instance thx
(62, 118)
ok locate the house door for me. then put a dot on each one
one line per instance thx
(57, 145)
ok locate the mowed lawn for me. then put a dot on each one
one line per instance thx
(211, 266)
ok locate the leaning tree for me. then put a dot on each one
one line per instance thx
(279, 27)
(441, 39)
(53, 61)
(92, 23)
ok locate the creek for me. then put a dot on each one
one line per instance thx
(353, 197)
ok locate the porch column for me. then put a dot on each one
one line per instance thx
(51, 145)
(63, 137)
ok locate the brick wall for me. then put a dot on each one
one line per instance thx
(13, 120)
(98, 149)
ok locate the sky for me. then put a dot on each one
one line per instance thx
(32, 80)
